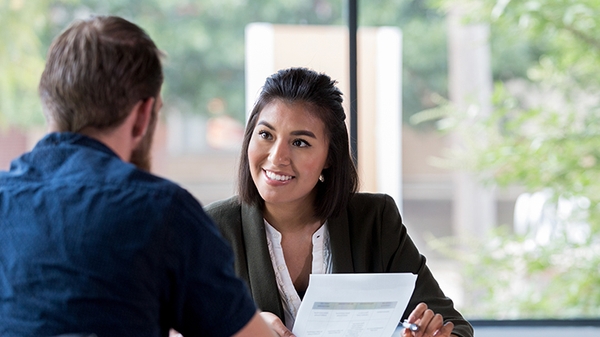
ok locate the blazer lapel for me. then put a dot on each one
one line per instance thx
(341, 251)
(263, 285)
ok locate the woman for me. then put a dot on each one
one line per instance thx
(297, 211)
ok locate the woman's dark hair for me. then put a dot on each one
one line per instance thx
(324, 100)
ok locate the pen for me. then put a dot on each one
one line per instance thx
(410, 326)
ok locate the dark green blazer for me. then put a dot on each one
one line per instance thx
(368, 237)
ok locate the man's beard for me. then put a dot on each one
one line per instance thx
(141, 155)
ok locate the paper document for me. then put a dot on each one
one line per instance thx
(365, 305)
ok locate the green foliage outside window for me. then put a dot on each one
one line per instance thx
(544, 137)
(204, 41)
(21, 60)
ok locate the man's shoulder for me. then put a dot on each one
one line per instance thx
(158, 188)
(140, 178)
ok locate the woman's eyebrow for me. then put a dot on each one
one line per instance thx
(266, 124)
(293, 133)
(304, 133)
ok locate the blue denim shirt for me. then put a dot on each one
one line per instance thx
(91, 244)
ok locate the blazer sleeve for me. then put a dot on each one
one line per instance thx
(379, 235)
(427, 289)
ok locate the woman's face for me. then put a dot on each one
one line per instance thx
(287, 152)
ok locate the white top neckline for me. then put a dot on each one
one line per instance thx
(321, 264)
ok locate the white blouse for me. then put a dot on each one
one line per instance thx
(321, 264)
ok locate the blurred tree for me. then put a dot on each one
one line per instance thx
(204, 41)
(423, 46)
(543, 135)
(24, 24)
(425, 68)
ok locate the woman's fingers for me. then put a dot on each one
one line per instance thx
(417, 312)
(430, 324)
(276, 324)
(446, 330)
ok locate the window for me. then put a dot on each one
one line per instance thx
(527, 235)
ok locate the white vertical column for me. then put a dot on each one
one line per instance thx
(260, 59)
(470, 84)
(388, 115)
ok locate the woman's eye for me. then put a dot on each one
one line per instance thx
(264, 135)
(300, 143)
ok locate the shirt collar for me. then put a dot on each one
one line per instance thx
(58, 138)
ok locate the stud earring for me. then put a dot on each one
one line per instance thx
(321, 178)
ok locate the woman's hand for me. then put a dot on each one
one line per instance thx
(276, 324)
(430, 324)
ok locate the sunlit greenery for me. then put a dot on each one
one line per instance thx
(21, 59)
(543, 135)
(204, 41)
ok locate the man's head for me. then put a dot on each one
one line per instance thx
(96, 71)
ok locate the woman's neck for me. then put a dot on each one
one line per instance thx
(288, 218)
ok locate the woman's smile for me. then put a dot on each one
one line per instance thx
(277, 177)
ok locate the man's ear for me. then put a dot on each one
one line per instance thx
(143, 114)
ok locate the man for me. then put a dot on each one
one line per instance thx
(91, 243)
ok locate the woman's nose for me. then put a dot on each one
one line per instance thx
(280, 154)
